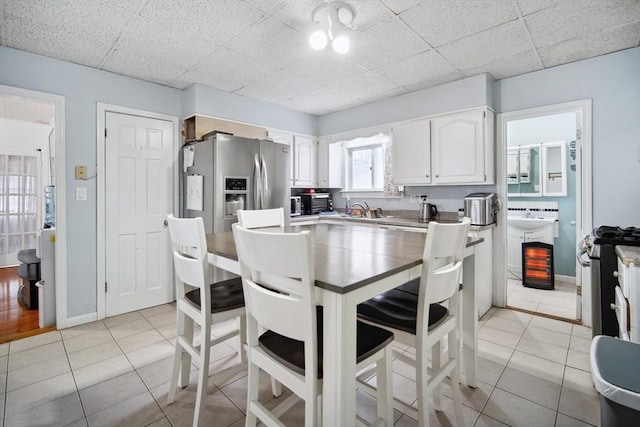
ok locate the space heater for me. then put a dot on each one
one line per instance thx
(537, 265)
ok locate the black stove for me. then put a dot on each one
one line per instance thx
(610, 235)
(604, 263)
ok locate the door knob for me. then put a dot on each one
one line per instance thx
(166, 223)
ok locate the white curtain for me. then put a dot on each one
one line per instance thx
(389, 188)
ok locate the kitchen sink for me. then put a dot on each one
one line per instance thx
(527, 224)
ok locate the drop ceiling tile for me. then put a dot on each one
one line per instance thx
(399, 6)
(72, 15)
(579, 18)
(279, 86)
(528, 7)
(132, 6)
(591, 45)
(134, 65)
(70, 45)
(325, 67)
(297, 13)
(440, 22)
(228, 70)
(522, 63)
(385, 43)
(220, 20)
(256, 92)
(272, 42)
(367, 87)
(318, 100)
(489, 46)
(265, 6)
(185, 47)
(420, 71)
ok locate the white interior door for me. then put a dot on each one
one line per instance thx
(139, 195)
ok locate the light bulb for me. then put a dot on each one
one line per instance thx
(318, 40)
(341, 44)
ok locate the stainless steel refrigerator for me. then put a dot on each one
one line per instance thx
(225, 173)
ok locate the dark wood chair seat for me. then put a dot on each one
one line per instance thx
(225, 295)
(290, 352)
(398, 309)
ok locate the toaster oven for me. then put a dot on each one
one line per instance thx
(296, 206)
(314, 203)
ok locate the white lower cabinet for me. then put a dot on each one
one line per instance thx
(484, 271)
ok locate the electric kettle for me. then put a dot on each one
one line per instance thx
(427, 210)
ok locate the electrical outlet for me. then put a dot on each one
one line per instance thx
(413, 199)
(81, 172)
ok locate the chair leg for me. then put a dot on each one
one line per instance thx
(421, 386)
(187, 333)
(276, 387)
(203, 376)
(252, 393)
(175, 373)
(180, 359)
(436, 357)
(455, 378)
(242, 336)
(384, 379)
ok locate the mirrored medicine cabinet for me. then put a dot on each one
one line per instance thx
(537, 170)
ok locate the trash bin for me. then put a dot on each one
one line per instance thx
(47, 305)
(615, 368)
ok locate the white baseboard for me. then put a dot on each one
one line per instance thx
(79, 320)
(565, 279)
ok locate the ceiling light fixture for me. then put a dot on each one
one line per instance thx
(332, 19)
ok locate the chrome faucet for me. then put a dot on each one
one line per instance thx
(365, 211)
(526, 214)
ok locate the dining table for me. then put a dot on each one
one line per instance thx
(353, 263)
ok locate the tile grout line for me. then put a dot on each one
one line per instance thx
(84, 412)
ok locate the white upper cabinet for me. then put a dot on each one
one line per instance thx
(412, 153)
(304, 154)
(462, 148)
(330, 164)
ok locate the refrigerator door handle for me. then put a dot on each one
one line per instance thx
(257, 187)
(264, 183)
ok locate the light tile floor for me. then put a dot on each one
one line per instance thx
(534, 371)
(560, 302)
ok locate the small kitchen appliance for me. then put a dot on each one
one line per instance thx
(427, 210)
(296, 206)
(314, 203)
(481, 208)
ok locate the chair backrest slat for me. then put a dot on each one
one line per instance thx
(261, 218)
(189, 246)
(278, 281)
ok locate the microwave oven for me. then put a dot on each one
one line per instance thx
(314, 203)
(296, 206)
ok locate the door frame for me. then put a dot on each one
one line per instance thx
(102, 110)
(61, 192)
(584, 192)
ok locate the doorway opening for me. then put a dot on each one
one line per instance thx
(544, 179)
(28, 135)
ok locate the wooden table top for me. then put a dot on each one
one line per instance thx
(347, 257)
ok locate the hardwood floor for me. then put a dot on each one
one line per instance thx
(15, 321)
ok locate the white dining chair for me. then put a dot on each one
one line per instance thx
(422, 319)
(262, 218)
(201, 302)
(279, 287)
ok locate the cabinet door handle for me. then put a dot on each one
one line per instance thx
(616, 274)
(427, 175)
(437, 176)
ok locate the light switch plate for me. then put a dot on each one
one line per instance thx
(81, 194)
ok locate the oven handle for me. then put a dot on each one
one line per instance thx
(581, 260)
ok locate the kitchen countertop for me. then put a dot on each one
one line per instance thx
(629, 254)
(391, 220)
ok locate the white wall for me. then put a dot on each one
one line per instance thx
(213, 102)
(82, 88)
(459, 95)
(613, 83)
